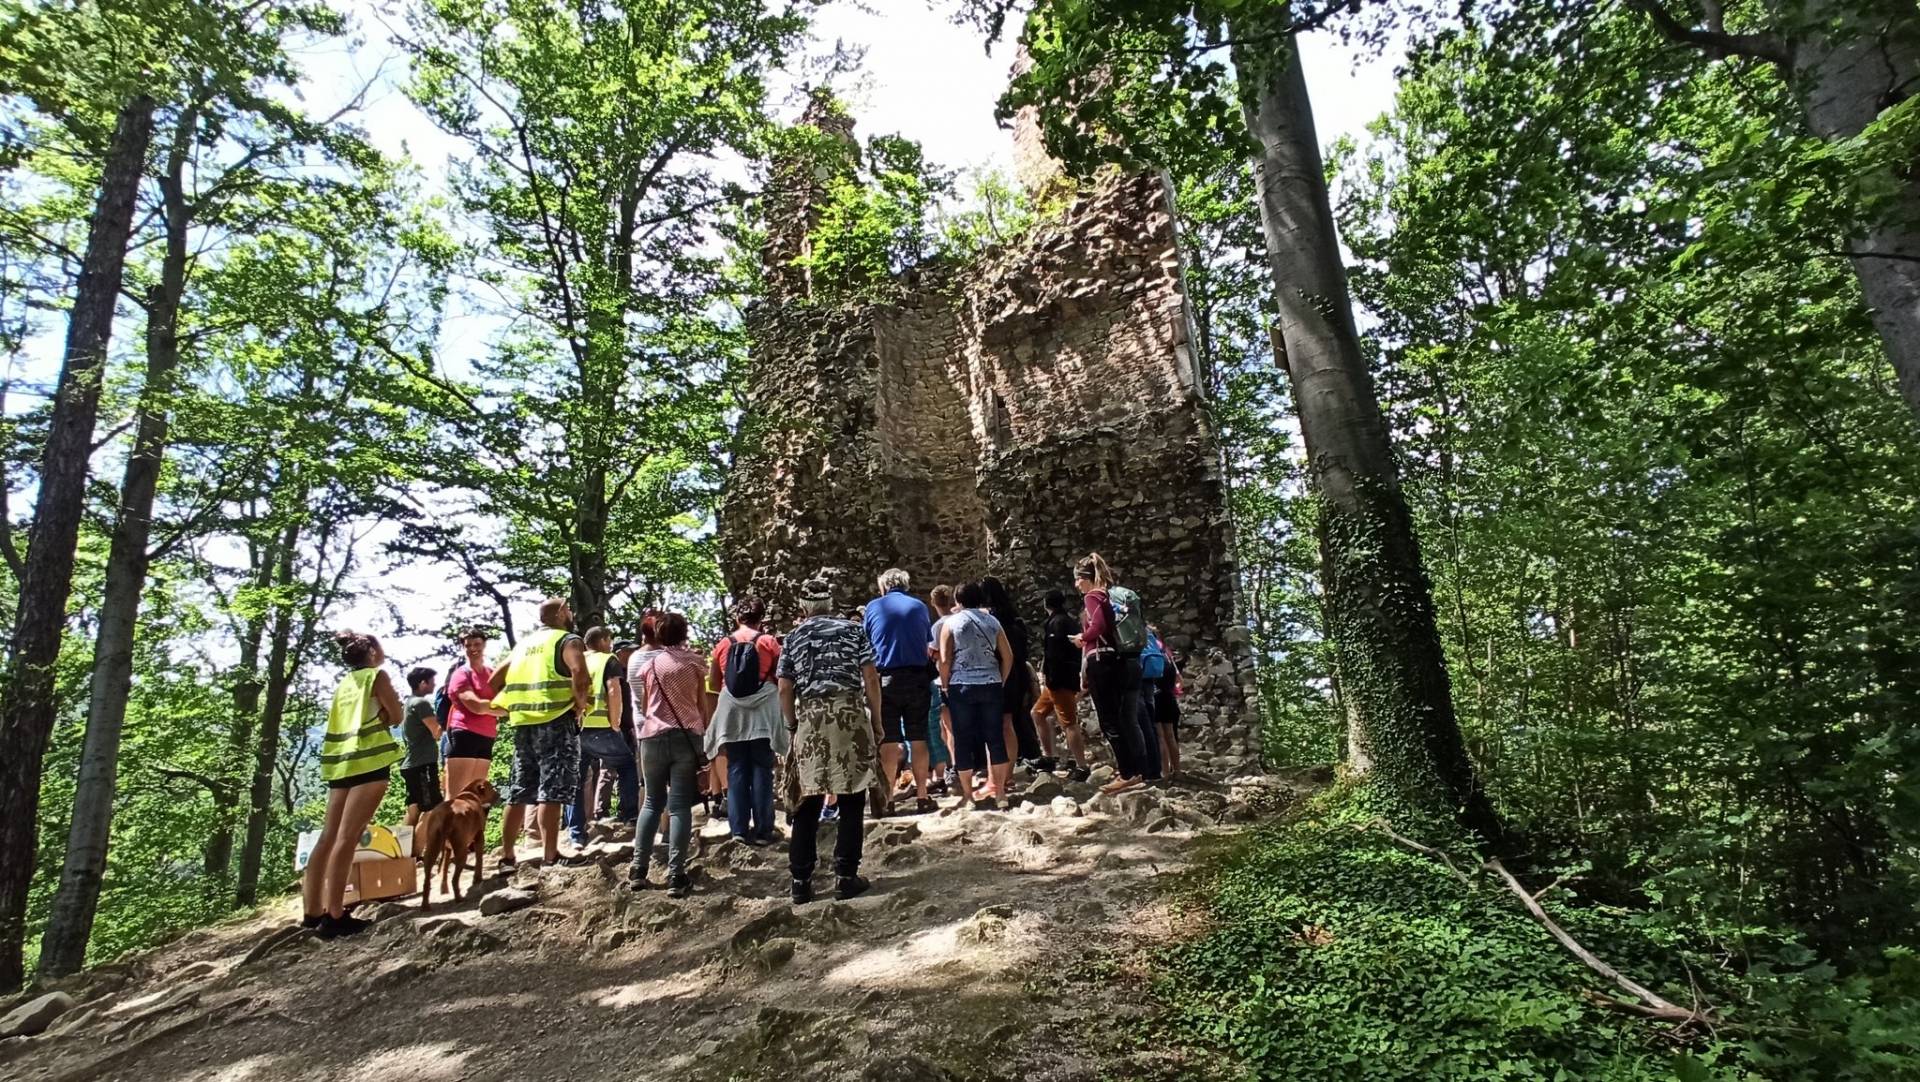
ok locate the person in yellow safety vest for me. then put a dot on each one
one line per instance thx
(546, 689)
(601, 744)
(356, 758)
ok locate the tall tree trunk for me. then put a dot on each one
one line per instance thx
(1392, 672)
(63, 948)
(1848, 62)
(267, 750)
(588, 581)
(26, 703)
(1855, 62)
(217, 858)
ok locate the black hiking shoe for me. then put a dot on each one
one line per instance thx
(637, 877)
(850, 886)
(802, 891)
(335, 927)
(312, 921)
(679, 886)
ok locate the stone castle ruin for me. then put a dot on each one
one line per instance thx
(1002, 417)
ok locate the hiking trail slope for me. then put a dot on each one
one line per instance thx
(950, 968)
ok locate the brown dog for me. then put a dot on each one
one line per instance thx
(454, 828)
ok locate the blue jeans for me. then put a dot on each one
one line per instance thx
(671, 766)
(609, 749)
(750, 788)
(976, 725)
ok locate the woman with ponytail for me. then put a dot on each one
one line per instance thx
(356, 756)
(1110, 675)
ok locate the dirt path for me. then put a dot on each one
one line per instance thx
(948, 969)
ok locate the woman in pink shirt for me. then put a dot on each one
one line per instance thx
(673, 705)
(1111, 676)
(472, 721)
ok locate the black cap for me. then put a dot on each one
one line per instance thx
(625, 644)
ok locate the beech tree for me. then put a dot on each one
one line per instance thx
(1138, 82)
(1853, 66)
(594, 134)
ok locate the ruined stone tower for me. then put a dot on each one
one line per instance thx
(1003, 417)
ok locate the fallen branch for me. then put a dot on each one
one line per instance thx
(1626, 984)
(1543, 891)
(1383, 827)
(1650, 1004)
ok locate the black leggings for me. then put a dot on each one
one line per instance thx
(1019, 703)
(1115, 681)
(802, 848)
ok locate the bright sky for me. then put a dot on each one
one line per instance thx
(926, 79)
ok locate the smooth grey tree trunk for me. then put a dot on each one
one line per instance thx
(27, 704)
(63, 946)
(1392, 672)
(1848, 62)
(1855, 61)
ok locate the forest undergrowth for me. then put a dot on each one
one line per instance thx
(1324, 948)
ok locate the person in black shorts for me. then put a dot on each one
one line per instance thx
(421, 733)
(899, 627)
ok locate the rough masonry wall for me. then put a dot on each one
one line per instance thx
(1005, 418)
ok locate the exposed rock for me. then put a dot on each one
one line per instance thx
(762, 927)
(775, 953)
(989, 925)
(35, 1015)
(1101, 775)
(1162, 824)
(905, 898)
(907, 856)
(506, 901)
(1065, 805)
(1044, 789)
(280, 937)
(389, 973)
(892, 832)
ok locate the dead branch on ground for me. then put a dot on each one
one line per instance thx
(1647, 1003)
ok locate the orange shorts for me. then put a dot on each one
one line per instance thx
(1063, 704)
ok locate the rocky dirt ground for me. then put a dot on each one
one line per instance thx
(968, 960)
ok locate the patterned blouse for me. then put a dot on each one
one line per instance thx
(825, 655)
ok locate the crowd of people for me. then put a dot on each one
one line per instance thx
(877, 712)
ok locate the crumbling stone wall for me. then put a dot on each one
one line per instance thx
(1002, 418)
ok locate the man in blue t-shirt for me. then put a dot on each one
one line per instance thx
(900, 627)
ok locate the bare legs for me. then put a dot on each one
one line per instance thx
(324, 886)
(919, 768)
(510, 823)
(1065, 706)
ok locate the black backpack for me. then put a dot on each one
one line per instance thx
(743, 667)
(442, 705)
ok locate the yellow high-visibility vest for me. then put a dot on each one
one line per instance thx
(534, 692)
(357, 740)
(599, 717)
